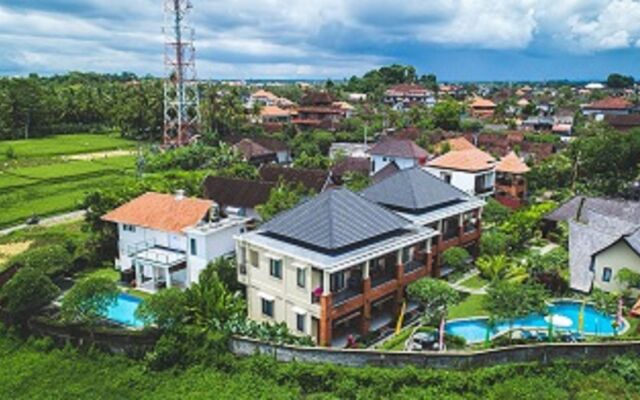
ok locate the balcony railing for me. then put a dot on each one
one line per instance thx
(469, 228)
(345, 295)
(380, 279)
(412, 265)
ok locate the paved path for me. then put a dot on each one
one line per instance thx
(458, 284)
(49, 221)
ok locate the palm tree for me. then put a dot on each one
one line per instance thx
(500, 267)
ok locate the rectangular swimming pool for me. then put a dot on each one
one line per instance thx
(123, 311)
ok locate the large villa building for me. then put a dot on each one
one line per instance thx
(338, 264)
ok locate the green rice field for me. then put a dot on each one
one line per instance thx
(54, 185)
(62, 145)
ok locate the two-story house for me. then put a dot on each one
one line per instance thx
(403, 153)
(334, 266)
(405, 95)
(166, 240)
(470, 170)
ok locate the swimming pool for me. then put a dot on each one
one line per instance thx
(123, 311)
(474, 330)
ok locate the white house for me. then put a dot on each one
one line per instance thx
(166, 240)
(403, 152)
(470, 170)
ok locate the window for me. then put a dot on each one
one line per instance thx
(275, 268)
(253, 258)
(300, 322)
(301, 277)
(128, 228)
(267, 307)
(193, 248)
(406, 254)
(606, 274)
(445, 176)
(337, 281)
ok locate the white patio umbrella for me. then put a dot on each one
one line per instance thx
(558, 320)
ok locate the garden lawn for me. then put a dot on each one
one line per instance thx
(475, 282)
(471, 306)
(56, 188)
(61, 145)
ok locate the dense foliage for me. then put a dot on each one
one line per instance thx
(456, 258)
(27, 292)
(88, 300)
(27, 371)
(281, 198)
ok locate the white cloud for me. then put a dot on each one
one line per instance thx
(301, 37)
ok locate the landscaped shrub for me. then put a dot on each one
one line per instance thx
(493, 243)
(27, 292)
(89, 300)
(456, 258)
(397, 342)
(166, 309)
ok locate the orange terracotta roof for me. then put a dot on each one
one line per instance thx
(273, 111)
(460, 143)
(164, 212)
(512, 164)
(265, 94)
(610, 103)
(480, 102)
(464, 160)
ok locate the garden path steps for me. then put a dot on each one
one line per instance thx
(458, 284)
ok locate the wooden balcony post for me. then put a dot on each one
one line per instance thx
(325, 327)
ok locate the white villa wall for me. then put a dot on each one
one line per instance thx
(617, 257)
(286, 292)
(159, 238)
(465, 181)
(379, 162)
(209, 246)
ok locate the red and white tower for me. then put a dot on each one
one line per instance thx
(181, 97)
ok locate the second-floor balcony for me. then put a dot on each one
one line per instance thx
(346, 294)
(412, 266)
(483, 189)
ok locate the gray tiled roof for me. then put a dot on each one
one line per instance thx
(414, 189)
(627, 210)
(335, 219)
(588, 236)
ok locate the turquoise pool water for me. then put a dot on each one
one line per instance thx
(595, 322)
(124, 311)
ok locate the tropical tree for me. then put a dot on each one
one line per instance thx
(456, 258)
(209, 303)
(89, 300)
(166, 309)
(283, 197)
(356, 181)
(500, 267)
(436, 296)
(493, 243)
(27, 292)
(507, 301)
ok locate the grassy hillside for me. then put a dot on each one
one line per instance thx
(31, 371)
(60, 145)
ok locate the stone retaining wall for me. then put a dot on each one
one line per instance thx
(542, 353)
(124, 341)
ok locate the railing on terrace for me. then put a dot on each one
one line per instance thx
(413, 265)
(468, 228)
(345, 295)
(382, 278)
(479, 189)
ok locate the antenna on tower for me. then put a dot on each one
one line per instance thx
(181, 96)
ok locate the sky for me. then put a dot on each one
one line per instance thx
(458, 40)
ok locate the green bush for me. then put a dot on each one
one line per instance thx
(166, 309)
(397, 341)
(27, 292)
(89, 300)
(456, 258)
